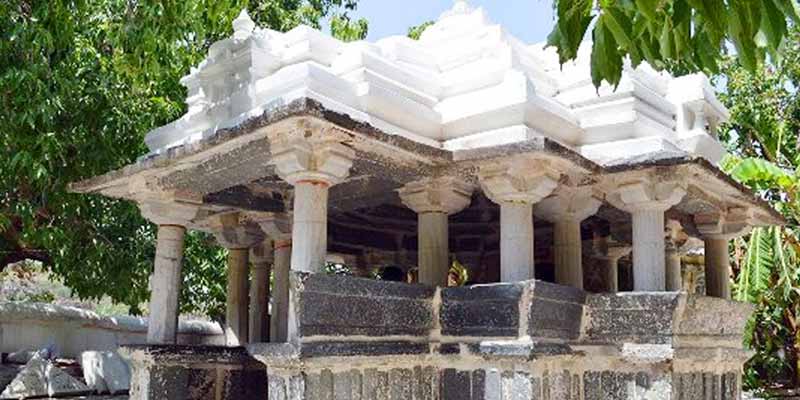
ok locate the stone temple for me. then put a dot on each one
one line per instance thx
(569, 207)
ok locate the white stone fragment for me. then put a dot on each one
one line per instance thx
(41, 378)
(105, 371)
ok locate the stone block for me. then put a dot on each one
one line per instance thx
(632, 317)
(105, 371)
(481, 310)
(556, 311)
(194, 372)
(335, 305)
(340, 349)
(41, 378)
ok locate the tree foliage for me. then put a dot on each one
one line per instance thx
(675, 35)
(81, 82)
(762, 138)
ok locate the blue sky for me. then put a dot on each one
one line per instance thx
(528, 20)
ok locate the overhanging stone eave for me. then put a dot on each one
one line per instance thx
(693, 167)
(365, 138)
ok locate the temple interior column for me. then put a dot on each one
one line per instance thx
(567, 251)
(718, 281)
(673, 268)
(166, 285)
(172, 219)
(717, 228)
(237, 234)
(237, 300)
(517, 185)
(278, 228)
(259, 323)
(649, 269)
(280, 296)
(516, 242)
(567, 208)
(310, 225)
(433, 248)
(611, 255)
(311, 161)
(646, 199)
(434, 200)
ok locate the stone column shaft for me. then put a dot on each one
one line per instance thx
(611, 272)
(516, 242)
(673, 270)
(648, 250)
(567, 252)
(717, 267)
(166, 285)
(310, 226)
(236, 311)
(259, 303)
(280, 298)
(434, 249)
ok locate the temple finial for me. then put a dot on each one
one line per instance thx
(460, 7)
(243, 25)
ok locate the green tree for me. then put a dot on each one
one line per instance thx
(81, 82)
(762, 138)
(675, 35)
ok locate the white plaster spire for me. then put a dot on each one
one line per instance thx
(460, 7)
(243, 25)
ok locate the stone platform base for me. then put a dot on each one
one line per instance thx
(363, 339)
(195, 372)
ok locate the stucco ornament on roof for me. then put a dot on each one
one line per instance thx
(466, 83)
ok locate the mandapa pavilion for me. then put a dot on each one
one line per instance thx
(569, 207)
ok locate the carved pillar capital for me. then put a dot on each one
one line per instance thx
(726, 224)
(568, 204)
(646, 194)
(277, 226)
(232, 231)
(447, 195)
(262, 253)
(169, 212)
(298, 159)
(523, 181)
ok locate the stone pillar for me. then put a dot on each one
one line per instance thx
(610, 256)
(647, 199)
(165, 282)
(312, 167)
(166, 285)
(433, 200)
(259, 323)
(237, 302)
(279, 229)
(566, 209)
(280, 303)
(717, 228)
(237, 234)
(516, 186)
(674, 281)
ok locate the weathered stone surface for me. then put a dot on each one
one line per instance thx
(332, 305)
(195, 372)
(481, 310)
(40, 378)
(328, 349)
(555, 311)
(632, 317)
(105, 371)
